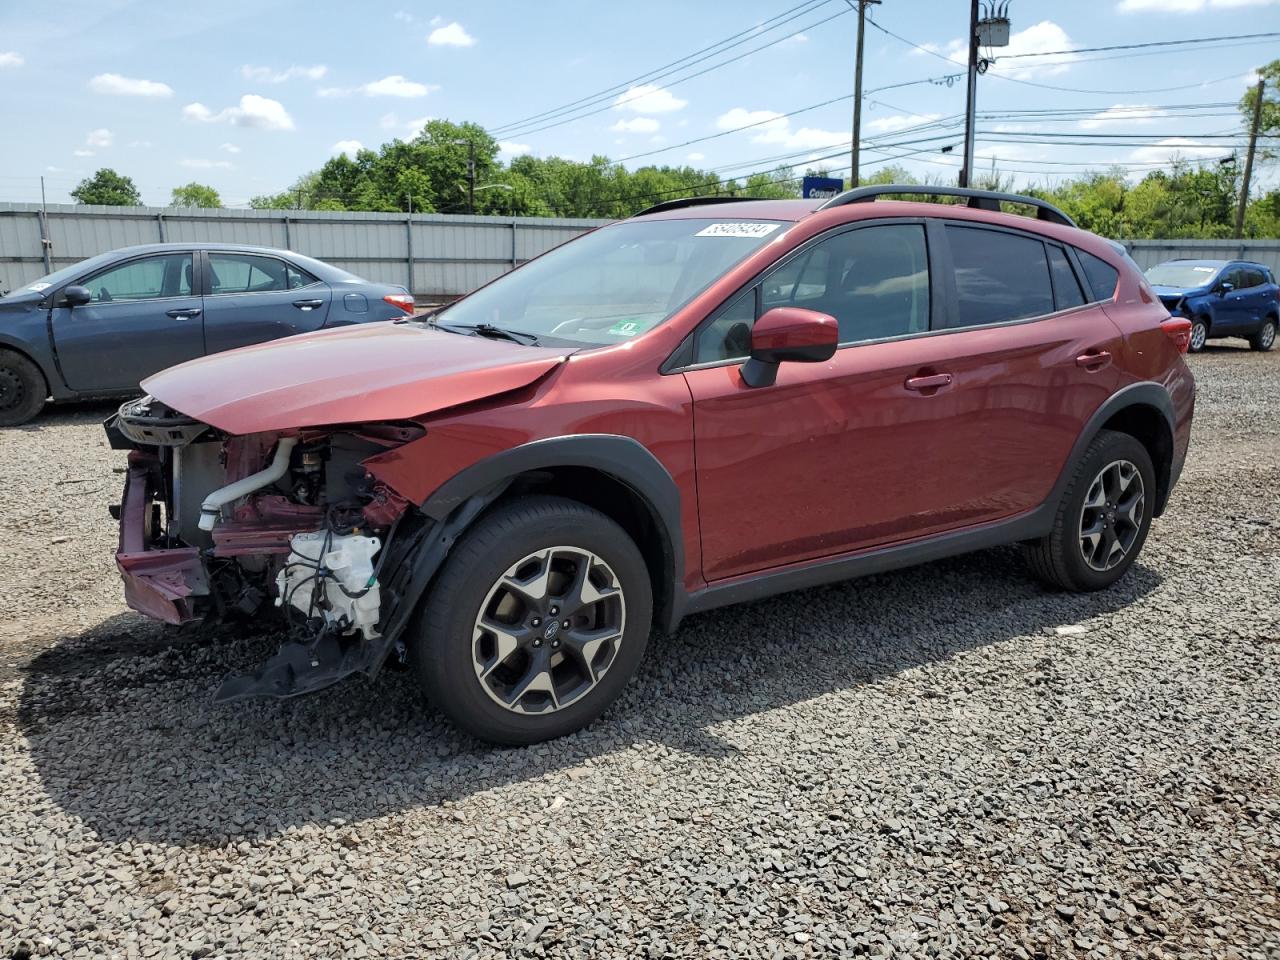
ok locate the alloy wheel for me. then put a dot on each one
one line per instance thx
(1267, 336)
(1111, 518)
(548, 630)
(1199, 334)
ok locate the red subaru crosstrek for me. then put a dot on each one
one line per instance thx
(709, 402)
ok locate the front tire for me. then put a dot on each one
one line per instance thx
(1199, 334)
(22, 389)
(1103, 518)
(536, 623)
(1265, 338)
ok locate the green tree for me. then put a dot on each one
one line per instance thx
(108, 188)
(195, 195)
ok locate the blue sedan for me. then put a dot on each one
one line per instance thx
(98, 328)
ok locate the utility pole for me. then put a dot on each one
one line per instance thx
(1248, 160)
(471, 173)
(857, 94)
(966, 169)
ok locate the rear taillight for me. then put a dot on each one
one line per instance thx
(402, 300)
(1178, 329)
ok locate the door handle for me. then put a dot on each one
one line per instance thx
(308, 304)
(1093, 360)
(183, 313)
(933, 381)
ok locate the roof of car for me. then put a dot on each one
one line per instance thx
(750, 209)
(325, 271)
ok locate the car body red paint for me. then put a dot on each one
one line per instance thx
(884, 449)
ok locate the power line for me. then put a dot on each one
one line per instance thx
(1142, 46)
(525, 130)
(727, 43)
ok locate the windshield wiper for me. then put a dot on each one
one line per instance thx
(491, 331)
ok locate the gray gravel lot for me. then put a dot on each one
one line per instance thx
(949, 761)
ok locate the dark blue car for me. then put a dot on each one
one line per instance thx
(97, 328)
(1221, 298)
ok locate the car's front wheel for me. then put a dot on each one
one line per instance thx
(1103, 518)
(1199, 334)
(22, 389)
(1265, 338)
(536, 623)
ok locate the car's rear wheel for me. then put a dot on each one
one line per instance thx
(536, 623)
(1265, 338)
(22, 389)
(1103, 518)
(1199, 334)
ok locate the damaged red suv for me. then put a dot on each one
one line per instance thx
(709, 402)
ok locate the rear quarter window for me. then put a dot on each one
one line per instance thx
(1100, 276)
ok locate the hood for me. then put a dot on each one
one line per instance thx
(23, 297)
(365, 373)
(1164, 292)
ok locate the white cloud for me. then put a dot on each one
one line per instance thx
(513, 149)
(796, 38)
(696, 156)
(10, 59)
(115, 85)
(450, 35)
(1175, 147)
(271, 75)
(649, 98)
(1039, 38)
(900, 122)
(636, 125)
(414, 127)
(1187, 6)
(82, 153)
(768, 126)
(194, 164)
(397, 86)
(1129, 114)
(348, 148)
(99, 138)
(229, 148)
(253, 111)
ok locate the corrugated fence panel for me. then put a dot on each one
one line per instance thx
(447, 255)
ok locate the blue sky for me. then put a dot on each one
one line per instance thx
(245, 96)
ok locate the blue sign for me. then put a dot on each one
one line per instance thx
(821, 188)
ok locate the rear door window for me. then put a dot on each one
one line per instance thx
(1066, 288)
(1100, 276)
(999, 276)
(247, 273)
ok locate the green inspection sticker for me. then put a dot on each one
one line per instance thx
(626, 328)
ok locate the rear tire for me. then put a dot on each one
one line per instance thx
(536, 623)
(1103, 518)
(1199, 334)
(23, 391)
(1265, 338)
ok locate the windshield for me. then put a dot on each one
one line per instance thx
(613, 284)
(1181, 274)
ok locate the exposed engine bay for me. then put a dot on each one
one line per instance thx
(216, 526)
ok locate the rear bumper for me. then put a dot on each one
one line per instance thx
(164, 584)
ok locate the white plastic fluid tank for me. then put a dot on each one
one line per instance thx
(349, 562)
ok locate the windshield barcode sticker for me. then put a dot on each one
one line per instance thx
(752, 230)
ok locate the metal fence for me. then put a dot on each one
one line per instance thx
(434, 255)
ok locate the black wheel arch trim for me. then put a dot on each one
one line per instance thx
(1143, 394)
(622, 458)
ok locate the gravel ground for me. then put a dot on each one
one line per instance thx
(949, 761)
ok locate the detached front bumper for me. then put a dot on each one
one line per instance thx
(163, 583)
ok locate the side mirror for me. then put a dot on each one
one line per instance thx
(76, 296)
(1226, 286)
(788, 335)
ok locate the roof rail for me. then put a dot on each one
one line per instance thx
(978, 199)
(687, 202)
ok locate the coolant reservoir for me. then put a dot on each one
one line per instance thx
(348, 562)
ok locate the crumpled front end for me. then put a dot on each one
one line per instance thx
(288, 526)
